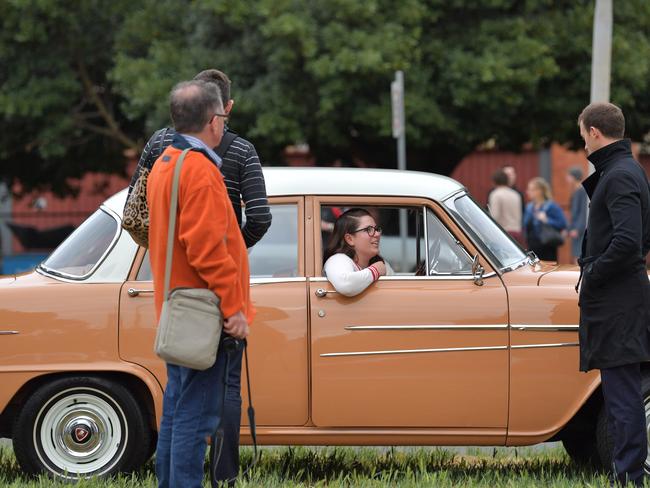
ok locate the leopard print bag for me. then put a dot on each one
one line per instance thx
(136, 211)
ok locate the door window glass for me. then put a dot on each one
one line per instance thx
(445, 253)
(144, 273)
(275, 255)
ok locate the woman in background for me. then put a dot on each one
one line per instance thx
(542, 211)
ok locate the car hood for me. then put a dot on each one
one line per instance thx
(7, 280)
(558, 274)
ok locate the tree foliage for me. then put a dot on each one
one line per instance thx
(81, 82)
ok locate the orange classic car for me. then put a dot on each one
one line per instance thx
(473, 341)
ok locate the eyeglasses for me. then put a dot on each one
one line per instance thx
(223, 116)
(371, 230)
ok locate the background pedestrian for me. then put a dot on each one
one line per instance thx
(578, 208)
(505, 205)
(542, 218)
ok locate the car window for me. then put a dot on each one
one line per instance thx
(404, 255)
(84, 249)
(276, 254)
(144, 273)
(445, 253)
(500, 246)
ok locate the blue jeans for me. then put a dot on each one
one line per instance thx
(192, 409)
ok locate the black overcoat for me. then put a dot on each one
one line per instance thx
(615, 291)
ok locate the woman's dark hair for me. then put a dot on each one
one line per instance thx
(345, 224)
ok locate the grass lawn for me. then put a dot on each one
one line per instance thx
(370, 467)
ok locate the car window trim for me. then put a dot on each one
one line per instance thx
(396, 202)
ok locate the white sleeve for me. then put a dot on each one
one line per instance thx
(346, 279)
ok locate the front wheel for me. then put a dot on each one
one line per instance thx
(604, 438)
(80, 427)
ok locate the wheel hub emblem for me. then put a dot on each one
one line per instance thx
(81, 434)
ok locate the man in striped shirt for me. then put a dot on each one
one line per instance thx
(241, 167)
(244, 180)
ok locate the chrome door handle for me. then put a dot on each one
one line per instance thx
(134, 292)
(322, 293)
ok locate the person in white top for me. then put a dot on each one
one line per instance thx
(352, 260)
(505, 206)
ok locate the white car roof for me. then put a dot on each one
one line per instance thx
(342, 181)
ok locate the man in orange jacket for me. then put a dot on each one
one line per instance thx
(209, 252)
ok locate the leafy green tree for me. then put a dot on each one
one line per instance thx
(507, 72)
(58, 112)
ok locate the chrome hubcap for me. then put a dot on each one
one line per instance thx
(81, 433)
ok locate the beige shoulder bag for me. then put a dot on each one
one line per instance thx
(190, 323)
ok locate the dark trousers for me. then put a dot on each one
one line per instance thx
(228, 463)
(626, 420)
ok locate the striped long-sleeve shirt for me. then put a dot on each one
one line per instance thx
(242, 173)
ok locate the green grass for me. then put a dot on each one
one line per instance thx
(369, 467)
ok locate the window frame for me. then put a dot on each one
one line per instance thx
(300, 205)
(378, 201)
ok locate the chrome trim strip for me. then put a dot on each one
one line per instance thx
(413, 351)
(319, 279)
(9, 332)
(546, 328)
(52, 273)
(288, 279)
(538, 346)
(427, 327)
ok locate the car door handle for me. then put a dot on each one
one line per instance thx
(322, 293)
(134, 292)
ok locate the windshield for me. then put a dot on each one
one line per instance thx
(502, 249)
(82, 251)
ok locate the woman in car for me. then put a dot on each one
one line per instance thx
(352, 260)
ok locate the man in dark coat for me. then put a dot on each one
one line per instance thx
(615, 292)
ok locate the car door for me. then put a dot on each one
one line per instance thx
(411, 351)
(278, 341)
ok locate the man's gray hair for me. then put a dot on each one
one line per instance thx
(193, 104)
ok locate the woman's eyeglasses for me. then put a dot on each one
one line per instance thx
(371, 230)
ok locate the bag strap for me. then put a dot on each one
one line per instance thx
(226, 141)
(173, 205)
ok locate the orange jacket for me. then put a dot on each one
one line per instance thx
(209, 250)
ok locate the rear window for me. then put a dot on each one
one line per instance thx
(79, 255)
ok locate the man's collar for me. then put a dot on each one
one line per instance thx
(184, 141)
(609, 153)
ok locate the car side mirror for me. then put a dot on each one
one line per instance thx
(477, 271)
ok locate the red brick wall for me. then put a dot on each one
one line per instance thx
(475, 170)
(95, 188)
